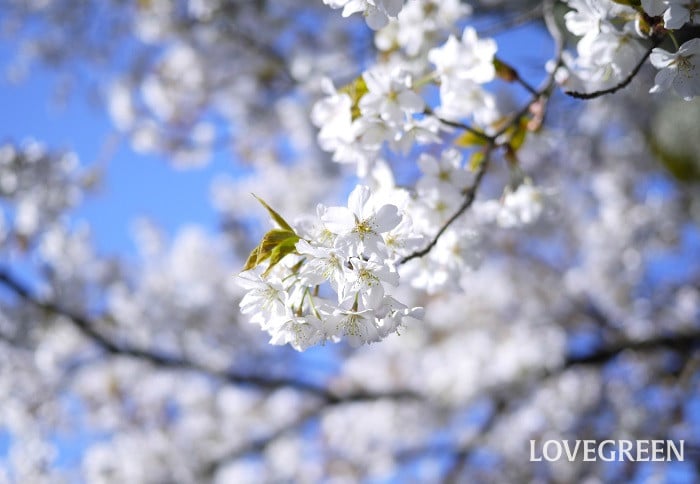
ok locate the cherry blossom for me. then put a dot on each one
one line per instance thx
(679, 70)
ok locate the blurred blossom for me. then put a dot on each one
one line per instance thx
(440, 271)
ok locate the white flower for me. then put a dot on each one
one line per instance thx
(589, 18)
(402, 239)
(521, 207)
(470, 58)
(608, 57)
(419, 22)
(456, 250)
(376, 12)
(301, 332)
(351, 141)
(393, 313)
(679, 70)
(358, 327)
(420, 131)
(433, 207)
(366, 279)
(681, 12)
(265, 300)
(333, 115)
(444, 174)
(460, 98)
(359, 226)
(389, 95)
(425, 274)
(323, 264)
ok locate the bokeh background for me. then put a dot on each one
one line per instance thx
(132, 136)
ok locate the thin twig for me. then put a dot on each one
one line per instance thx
(459, 125)
(469, 197)
(624, 83)
(538, 95)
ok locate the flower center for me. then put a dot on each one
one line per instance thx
(685, 67)
(363, 227)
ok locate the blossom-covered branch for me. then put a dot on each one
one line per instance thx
(108, 344)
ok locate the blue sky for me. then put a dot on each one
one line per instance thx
(134, 185)
(139, 185)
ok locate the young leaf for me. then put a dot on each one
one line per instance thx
(252, 260)
(476, 160)
(356, 89)
(469, 139)
(286, 247)
(275, 216)
(275, 244)
(519, 133)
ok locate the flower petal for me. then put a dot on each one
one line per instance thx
(387, 218)
(338, 220)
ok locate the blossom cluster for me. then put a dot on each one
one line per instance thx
(330, 277)
(40, 186)
(336, 277)
(356, 253)
(614, 37)
(376, 12)
(386, 106)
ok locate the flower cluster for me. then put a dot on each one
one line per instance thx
(381, 106)
(384, 105)
(39, 185)
(462, 67)
(357, 253)
(334, 280)
(613, 42)
(376, 12)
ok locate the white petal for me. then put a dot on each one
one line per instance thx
(661, 58)
(411, 102)
(358, 199)
(387, 218)
(339, 220)
(375, 18)
(654, 7)
(664, 79)
(687, 87)
(690, 48)
(428, 165)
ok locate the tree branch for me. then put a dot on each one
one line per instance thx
(469, 197)
(538, 95)
(502, 396)
(88, 328)
(624, 83)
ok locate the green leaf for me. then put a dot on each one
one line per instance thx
(476, 160)
(286, 247)
(252, 260)
(519, 133)
(469, 139)
(275, 216)
(275, 245)
(356, 89)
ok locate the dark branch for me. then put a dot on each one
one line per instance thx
(469, 197)
(683, 342)
(624, 83)
(503, 396)
(539, 95)
(107, 344)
